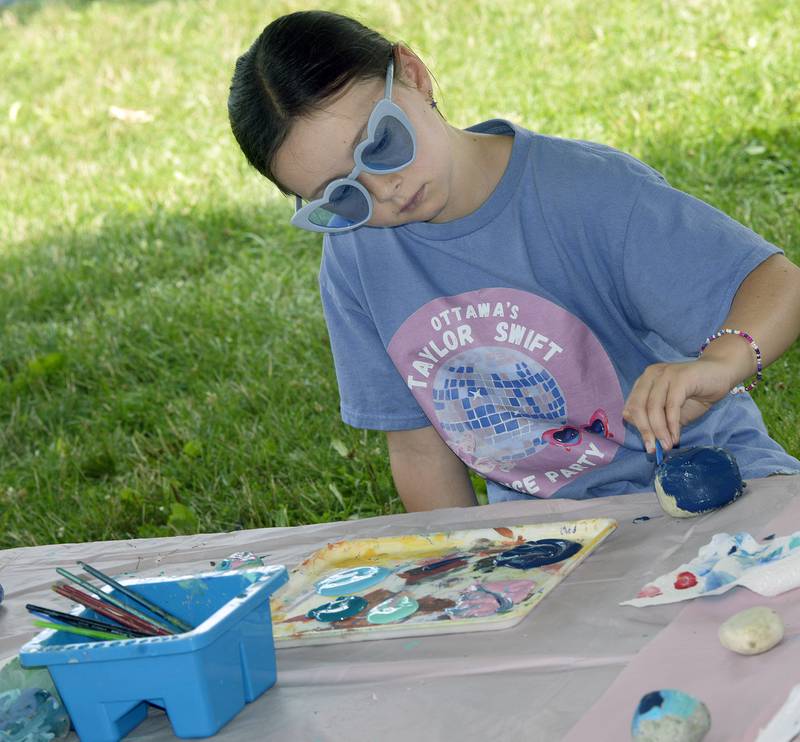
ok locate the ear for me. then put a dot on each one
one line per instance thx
(411, 70)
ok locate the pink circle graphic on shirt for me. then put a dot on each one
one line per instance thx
(518, 387)
(503, 413)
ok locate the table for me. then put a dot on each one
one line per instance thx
(531, 682)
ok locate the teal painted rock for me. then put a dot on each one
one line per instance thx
(697, 480)
(670, 716)
(31, 715)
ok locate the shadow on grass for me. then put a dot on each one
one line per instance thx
(167, 362)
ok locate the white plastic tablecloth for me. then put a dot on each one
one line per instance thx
(531, 682)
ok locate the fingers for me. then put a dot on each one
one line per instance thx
(676, 397)
(654, 405)
(636, 411)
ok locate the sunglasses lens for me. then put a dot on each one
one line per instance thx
(567, 435)
(597, 427)
(391, 148)
(345, 207)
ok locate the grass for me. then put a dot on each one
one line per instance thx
(163, 358)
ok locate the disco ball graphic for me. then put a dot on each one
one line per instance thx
(499, 414)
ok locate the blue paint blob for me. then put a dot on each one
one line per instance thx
(641, 519)
(717, 578)
(698, 480)
(538, 553)
(351, 580)
(703, 569)
(670, 714)
(339, 609)
(770, 537)
(649, 700)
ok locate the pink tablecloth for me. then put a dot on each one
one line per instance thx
(742, 692)
(531, 682)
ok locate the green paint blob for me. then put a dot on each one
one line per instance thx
(392, 609)
(343, 607)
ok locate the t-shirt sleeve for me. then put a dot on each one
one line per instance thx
(682, 263)
(372, 393)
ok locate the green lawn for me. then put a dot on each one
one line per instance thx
(163, 358)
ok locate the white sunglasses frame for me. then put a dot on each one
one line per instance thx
(384, 107)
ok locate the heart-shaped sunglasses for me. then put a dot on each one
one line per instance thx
(390, 145)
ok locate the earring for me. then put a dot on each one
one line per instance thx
(430, 98)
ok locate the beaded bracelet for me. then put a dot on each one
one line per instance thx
(727, 331)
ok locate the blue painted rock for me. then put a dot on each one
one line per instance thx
(670, 716)
(697, 480)
(31, 715)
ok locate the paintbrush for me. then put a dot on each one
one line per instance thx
(104, 609)
(104, 635)
(105, 597)
(140, 599)
(109, 611)
(85, 623)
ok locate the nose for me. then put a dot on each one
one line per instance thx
(382, 187)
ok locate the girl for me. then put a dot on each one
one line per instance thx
(527, 306)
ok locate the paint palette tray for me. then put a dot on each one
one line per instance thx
(436, 583)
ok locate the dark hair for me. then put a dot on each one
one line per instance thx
(299, 61)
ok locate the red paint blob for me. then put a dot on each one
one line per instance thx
(684, 580)
(649, 591)
(433, 569)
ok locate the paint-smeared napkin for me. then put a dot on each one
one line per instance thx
(768, 568)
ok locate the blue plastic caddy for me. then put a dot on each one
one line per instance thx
(201, 678)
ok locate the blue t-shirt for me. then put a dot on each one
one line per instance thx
(519, 330)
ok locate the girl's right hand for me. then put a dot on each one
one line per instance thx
(668, 396)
